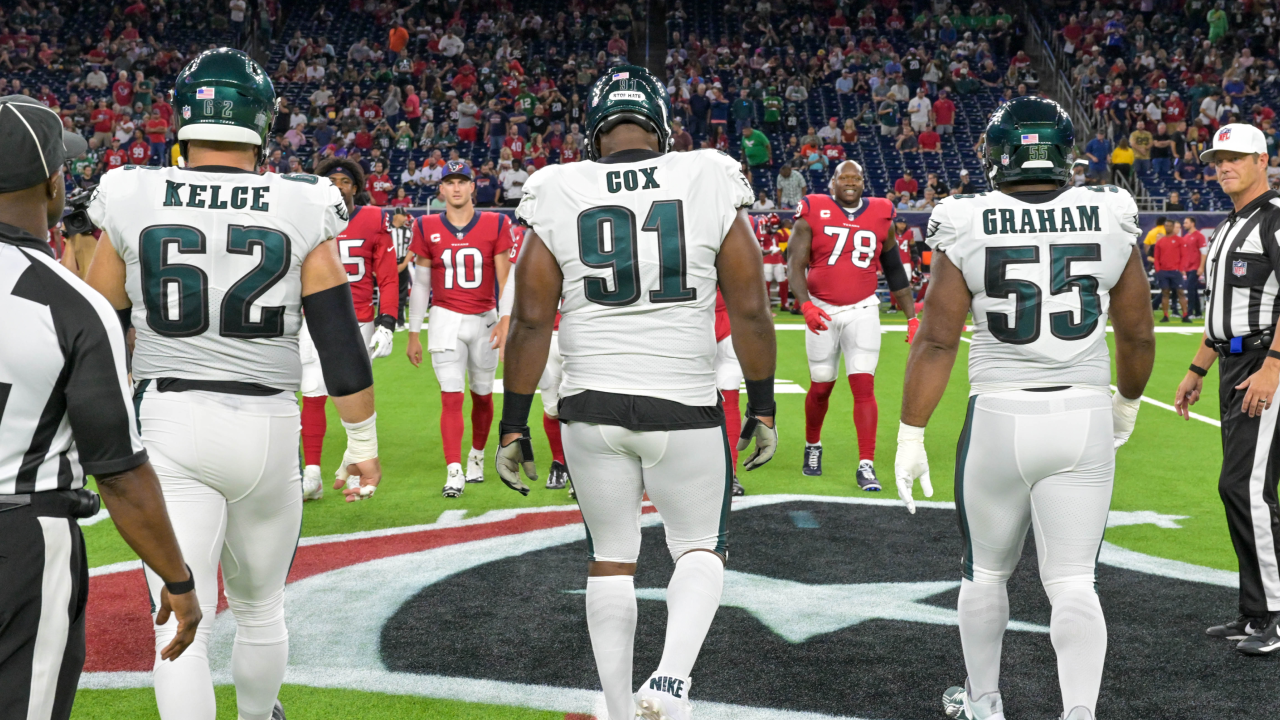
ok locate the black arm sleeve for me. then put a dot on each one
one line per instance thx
(344, 360)
(891, 264)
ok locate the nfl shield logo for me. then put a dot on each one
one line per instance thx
(1239, 267)
(1224, 133)
(186, 112)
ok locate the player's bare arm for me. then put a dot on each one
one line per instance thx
(1135, 344)
(326, 296)
(799, 248)
(419, 297)
(137, 508)
(946, 307)
(107, 274)
(740, 270)
(538, 280)
(502, 268)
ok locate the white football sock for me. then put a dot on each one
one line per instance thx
(1079, 634)
(984, 615)
(184, 687)
(693, 596)
(611, 619)
(259, 656)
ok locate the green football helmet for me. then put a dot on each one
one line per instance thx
(1028, 140)
(627, 93)
(224, 95)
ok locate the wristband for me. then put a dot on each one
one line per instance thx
(184, 587)
(386, 321)
(362, 440)
(126, 318)
(515, 409)
(909, 432)
(1202, 372)
(760, 398)
(1273, 354)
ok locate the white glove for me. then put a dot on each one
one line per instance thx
(1124, 413)
(362, 445)
(381, 343)
(911, 462)
(766, 441)
(352, 482)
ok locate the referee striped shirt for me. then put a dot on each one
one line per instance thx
(1244, 271)
(64, 392)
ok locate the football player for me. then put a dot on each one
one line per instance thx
(767, 229)
(839, 244)
(461, 264)
(215, 265)
(635, 244)
(1041, 264)
(368, 254)
(729, 380)
(548, 384)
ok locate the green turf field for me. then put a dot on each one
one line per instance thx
(1170, 466)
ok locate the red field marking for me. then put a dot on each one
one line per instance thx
(118, 618)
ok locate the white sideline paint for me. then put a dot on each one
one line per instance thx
(1166, 406)
(101, 515)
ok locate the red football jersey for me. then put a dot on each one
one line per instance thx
(369, 256)
(518, 235)
(463, 276)
(379, 187)
(115, 158)
(722, 317)
(844, 254)
(768, 240)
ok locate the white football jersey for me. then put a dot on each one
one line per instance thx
(636, 238)
(1040, 267)
(214, 267)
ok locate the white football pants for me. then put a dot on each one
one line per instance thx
(1044, 459)
(853, 331)
(552, 374)
(728, 370)
(472, 359)
(228, 468)
(687, 474)
(312, 375)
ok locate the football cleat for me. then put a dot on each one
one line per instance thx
(455, 482)
(1078, 712)
(812, 460)
(736, 488)
(1264, 641)
(312, 487)
(277, 712)
(558, 477)
(663, 697)
(475, 466)
(867, 477)
(573, 494)
(1240, 629)
(957, 704)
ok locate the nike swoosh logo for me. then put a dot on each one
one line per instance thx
(486, 327)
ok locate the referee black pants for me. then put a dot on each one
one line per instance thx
(44, 584)
(1247, 485)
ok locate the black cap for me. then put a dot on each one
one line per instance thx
(33, 143)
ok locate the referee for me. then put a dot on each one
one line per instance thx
(64, 413)
(1243, 272)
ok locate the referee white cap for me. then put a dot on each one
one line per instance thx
(1236, 137)
(33, 143)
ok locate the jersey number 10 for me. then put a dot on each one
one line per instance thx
(618, 251)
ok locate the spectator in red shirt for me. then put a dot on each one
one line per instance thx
(944, 113)
(122, 90)
(139, 150)
(1194, 249)
(157, 130)
(378, 184)
(906, 183)
(102, 118)
(1175, 113)
(930, 140)
(401, 199)
(1167, 254)
(370, 111)
(514, 142)
(115, 156)
(834, 152)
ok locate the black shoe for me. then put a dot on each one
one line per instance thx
(1240, 629)
(1164, 319)
(558, 477)
(812, 465)
(277, 713)
(1186, 320)
(1265, 641)
(794, 310)
(867, 477)
(736, 488)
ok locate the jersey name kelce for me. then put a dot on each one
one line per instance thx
(214, 267)
(463, 276)
(637, 243)
(1040, 267)
(368, 253)
(844, 253)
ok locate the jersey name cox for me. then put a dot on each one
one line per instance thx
(1004, 221)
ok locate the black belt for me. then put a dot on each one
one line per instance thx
(1240, 345)
(229, 387)
(80, 503)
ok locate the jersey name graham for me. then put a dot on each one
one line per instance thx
(844, 254)
(463, 274)
(213, 267)
(1039, 267)
(637, 242)
(368, 253)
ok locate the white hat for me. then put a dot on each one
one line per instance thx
(1236, 137)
